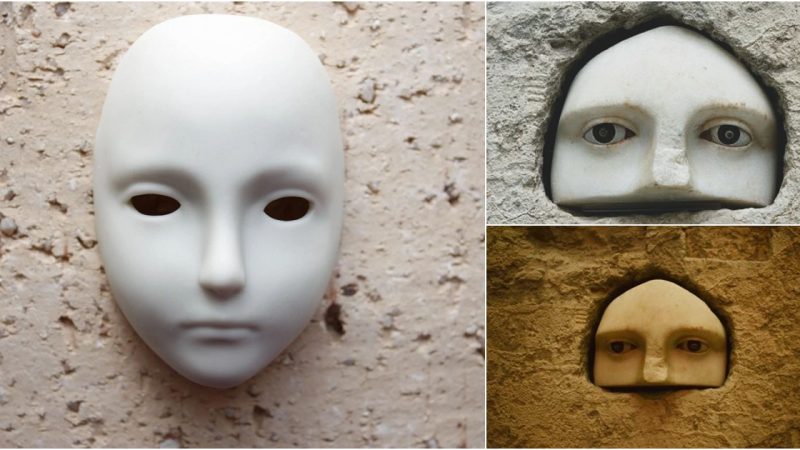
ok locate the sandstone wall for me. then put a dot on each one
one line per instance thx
(546, 290)
(529, 49)
(406, 368)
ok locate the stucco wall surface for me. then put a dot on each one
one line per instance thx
(394, 356)
(529, 49)
(547, 287)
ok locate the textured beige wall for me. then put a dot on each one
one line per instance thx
(408, 370)
(530, 47)
(546, 289)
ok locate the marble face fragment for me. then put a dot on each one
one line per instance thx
(218, 189)
(658, 334)
(665, 120)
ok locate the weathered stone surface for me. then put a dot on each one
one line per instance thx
(529, 49)
(73, 372)
(546, 290)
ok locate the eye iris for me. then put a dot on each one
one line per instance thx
(603, 133)
(694, 346)
(728, 134)
(287, 208)
(617, 347)
(155, 204)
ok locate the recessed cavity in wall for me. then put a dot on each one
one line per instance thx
(662, 118)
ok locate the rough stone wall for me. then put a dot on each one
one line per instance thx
(409, 368)
(546, 290)
(531, 45)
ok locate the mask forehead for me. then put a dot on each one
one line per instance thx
(695, 71)
(233, 94)
(656, 309)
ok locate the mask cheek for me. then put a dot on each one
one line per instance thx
(149, 297)
(288, 283)
(149, 267)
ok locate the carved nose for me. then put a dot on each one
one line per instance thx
(655, 369)
(670, 167)
(222, 271)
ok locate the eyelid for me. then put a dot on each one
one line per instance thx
(150, 188)
(692, 337)
(610, 119)
(606, 341)
(291, 192)
(610, 336)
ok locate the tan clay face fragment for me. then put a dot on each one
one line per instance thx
(659, 334)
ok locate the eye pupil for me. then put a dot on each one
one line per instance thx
(154, 204)
(693, 346)
(728, 134)
(287, 208)
(617, 347)
(603, 133)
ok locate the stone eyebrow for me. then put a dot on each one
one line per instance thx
(623, 333)
(733, 105)
(754, 117)
(625, 109)
(700, 331)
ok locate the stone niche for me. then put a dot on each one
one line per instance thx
(550, 289)
(659, 335)
(662, 163)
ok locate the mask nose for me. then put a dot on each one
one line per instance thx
(671, 166)
(655, 369)
(222, 270)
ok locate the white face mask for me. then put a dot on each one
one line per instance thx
(659, 334)
(665, 120)
(218, 189)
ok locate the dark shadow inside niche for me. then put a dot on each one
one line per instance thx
(608, 40)
(631, 280)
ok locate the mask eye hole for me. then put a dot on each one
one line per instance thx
(727, 135)
(287, 208)
(620, 347)
(607, 133)
(692, 345)
(154, 204)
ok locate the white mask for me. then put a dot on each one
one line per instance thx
(219, 117)
(659, 334)
(665, 120)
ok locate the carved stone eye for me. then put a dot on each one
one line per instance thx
(607, 133)
(620, 347)
(288, 208)
(728, 135)
(154, 204)
(692, 345)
